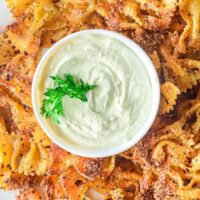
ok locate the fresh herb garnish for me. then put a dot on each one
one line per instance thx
(52, 105)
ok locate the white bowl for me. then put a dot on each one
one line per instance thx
(144, 127)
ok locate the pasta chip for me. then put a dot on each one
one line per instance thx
(169, 93)
(184, 73)
(18, 7)
(189, 11)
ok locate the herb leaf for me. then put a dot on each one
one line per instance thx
(52, 105)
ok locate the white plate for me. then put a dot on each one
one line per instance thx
(6, 19)
(5, 16)
(7, 195)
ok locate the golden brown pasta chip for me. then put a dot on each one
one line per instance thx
(169, 93)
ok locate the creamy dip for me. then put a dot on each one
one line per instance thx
(116, 108)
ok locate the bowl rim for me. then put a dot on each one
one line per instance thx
(144, 128)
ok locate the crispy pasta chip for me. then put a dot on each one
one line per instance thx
(17, 77)
(184, 73)
(169, 93)
(67, 185)
(18, 7)
(156, 60)
(20, 154)
(7, 50)
(190, 37)
(29, 194)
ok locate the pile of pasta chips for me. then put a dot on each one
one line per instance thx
(165, 164)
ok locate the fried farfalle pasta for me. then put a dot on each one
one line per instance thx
(190, 37)
(7, 50)
(22, 155)
(165, 164)
(169, 94)
(29, 194)
(184, 73)
(24, 147)
(18, 7)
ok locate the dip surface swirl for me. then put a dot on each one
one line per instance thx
(119, 104)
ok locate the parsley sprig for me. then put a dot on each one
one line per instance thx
(52, 105)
